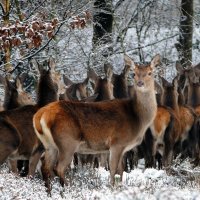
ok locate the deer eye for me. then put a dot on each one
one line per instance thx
(149, 73)
(133, 75)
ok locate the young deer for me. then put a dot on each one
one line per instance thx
(18, 142)
(118, 125)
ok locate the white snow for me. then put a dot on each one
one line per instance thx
(181, 182)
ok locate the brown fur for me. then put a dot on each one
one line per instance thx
(75, 91)
(162, 126)
(22, 127)
(184, 116)
(117, 125)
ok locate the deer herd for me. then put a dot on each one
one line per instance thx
(113, 127)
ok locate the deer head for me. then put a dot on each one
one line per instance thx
(102, 86)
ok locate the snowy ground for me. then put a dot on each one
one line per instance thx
(181, 182)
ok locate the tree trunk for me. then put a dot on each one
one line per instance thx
(186, 32)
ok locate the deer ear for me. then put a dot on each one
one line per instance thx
(85, 82)
(126, 70)
(108, 71)
(109, 74)
(175, 83)
(78, 95)
(52, 64)
(155, 61)
(179, 67)
(129, 62)
(67, 81)
(19, 85)
(92, 75)
(164, 82)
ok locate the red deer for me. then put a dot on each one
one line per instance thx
(18, 142)
(191, 73)
(184, 117)
(75, 91)
(15, 96)
(152, 148)
(103, 87)
(120, 83)
(119, 125)
(193, 97)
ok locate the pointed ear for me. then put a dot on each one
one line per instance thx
(179, 67)
(129, 62)
(108, 71)
(164, 82)
(92, 75)
(85, 82)
(78, 95)
(155, 61)
(126, 70)
(67, 81)
(92, 84)
(52, 64)
(175, 83)
(19, 85)
(109, 74)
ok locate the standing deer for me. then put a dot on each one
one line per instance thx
(192, 86)
(118, 125)
(184, 116)
(15, 96)
(18, 140)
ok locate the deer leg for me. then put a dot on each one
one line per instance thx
(65, 158)
(115, 157)
(33, 161)
(13, 166)
(121, 167)
(168, 155)
(48, 165)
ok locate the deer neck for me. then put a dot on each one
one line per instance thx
(193, 96)
(146, 105)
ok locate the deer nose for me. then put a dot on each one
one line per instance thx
(140, 83)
